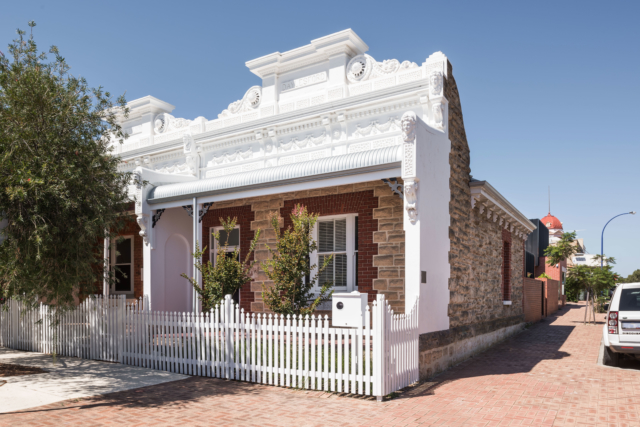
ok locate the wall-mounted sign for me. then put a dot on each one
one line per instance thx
(304, 81)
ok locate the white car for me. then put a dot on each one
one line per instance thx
(621, 333)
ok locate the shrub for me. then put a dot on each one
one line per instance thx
(227, 275)
(289, 267)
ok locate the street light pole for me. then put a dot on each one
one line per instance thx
(602, 237)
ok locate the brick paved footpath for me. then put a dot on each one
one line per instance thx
(547, 375)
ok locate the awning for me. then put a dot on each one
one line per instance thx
(313, 170)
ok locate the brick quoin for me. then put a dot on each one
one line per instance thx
(362, 203)
(245, 215)
(506, 265)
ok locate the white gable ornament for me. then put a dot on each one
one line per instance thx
(165, 123)
(250, 101)
(364, 67)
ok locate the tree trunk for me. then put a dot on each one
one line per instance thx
(584, 322)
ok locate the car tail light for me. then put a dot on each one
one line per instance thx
(613, 322)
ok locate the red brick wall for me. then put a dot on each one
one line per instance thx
(540, 298)
(551, 270)
(551, 295)
(245, 215)
(533, 293)
(362, 203)
(506, 265)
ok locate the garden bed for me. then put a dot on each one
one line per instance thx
(11, 370)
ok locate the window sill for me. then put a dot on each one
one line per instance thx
(506, 302)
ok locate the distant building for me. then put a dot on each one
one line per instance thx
(535, 246)
(548, 232)
(581, 258)
(555, 228)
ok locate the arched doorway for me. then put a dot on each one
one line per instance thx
(177, 290)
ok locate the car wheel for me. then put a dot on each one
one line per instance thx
(610, 358)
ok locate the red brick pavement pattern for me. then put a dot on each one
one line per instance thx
(545, 376)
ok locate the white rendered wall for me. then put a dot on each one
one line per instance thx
(171, 257)
(427, 240)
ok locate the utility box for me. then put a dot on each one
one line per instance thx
(348, 309)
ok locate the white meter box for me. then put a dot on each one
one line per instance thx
(348, 309)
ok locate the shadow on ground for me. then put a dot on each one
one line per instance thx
(171, 395)
(519, 354)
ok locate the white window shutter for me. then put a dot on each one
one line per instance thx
(340, 235)
(325, 236)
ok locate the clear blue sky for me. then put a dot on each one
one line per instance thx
(550, 90)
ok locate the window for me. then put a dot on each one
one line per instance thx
(122, 260)
(233, 244)
(337, 236)
(630, 300)
(506, 270)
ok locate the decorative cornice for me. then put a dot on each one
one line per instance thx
(494, 206)
(317, 51)
(361, 104)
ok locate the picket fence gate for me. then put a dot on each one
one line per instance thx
(291, 351)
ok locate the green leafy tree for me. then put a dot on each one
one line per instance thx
(595, 281)
(228, 274)
(289, 267)
(60, 189)
(603, 259)
(632, 278)
(562, 250)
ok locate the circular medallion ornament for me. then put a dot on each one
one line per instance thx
(160, 124)
(358, 68)
(254, 97)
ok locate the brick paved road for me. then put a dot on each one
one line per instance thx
(545, 376)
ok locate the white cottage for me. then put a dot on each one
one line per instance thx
(377, 149)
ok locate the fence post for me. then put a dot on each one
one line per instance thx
(227, 336)
(121, 303)
(379, 348)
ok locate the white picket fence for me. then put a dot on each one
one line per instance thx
(94, 330)
(289, 351)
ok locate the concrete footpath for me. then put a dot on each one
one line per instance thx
(69, 378)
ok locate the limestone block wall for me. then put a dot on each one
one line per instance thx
(390, 239)
(477, 316)
(476, 242)
(482, 299)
